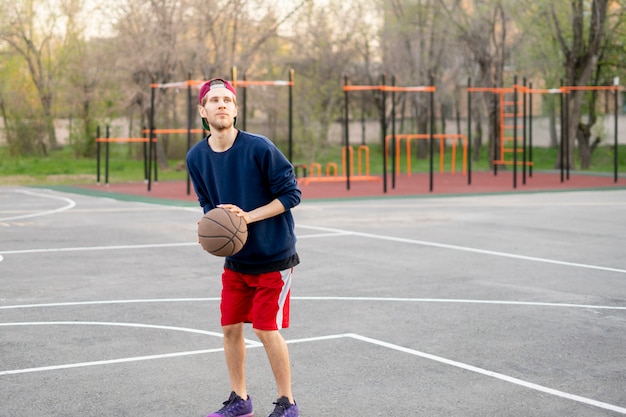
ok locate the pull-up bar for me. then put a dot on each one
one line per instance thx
(564, 92)
(189, 84)
(408, 137)
(384, 88)
(245, 83)
(107, 140)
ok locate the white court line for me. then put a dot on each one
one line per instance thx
(492, 374)
(465, 249)
(98, 248)
(319, 298)
(249, 343)
(70, 204)
(330, 232)
(460, 301)
(471, 368)
(80, 303)
(115, 324)
(128, 247)
(109, 362)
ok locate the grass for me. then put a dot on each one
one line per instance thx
(62, 167)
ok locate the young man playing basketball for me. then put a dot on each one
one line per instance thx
(248, 175)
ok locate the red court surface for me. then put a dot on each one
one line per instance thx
(414, 185)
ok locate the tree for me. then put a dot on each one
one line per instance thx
(322, 52)
(581, 46)
(30, 30)
(415, 42)
(482, 29)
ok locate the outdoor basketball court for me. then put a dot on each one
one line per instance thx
(478, 305)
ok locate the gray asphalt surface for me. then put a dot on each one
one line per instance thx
(493, 305)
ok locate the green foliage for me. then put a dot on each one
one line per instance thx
(82, 140)
(24, 137)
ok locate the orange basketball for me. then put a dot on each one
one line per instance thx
(221, 232)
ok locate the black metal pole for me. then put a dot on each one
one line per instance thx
(145, 155)
(150, 139)
(458, 126)
(567, 161)
(290, 132)
(383, 127)
(469, 131)
(393, 133)
(346, 130)
(244, 101)
(106, 158)
(530, 131)
(98, 153)
(362, 121)
(515, 131)
(524, 132)
(497, 132)
(432, 130)
(562, 144)
(189, 125)
(615, 153)
(156, 158)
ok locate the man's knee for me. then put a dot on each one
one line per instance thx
(266, 335)
(233, 331)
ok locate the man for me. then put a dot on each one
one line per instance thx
(248, 175)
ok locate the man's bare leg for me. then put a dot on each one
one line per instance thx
(235, 353)
(278, 355)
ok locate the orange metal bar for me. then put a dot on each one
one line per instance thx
(366, 151)
(489, 90)
(464, 156)
(441, 150)
(546, 90)
(441, 136)
(417, 89)
(453, 162)
(361, 87)
(341, 178)
(334, 168)
(123, 140)
(420, 89)
(591, 88)
(315, 166)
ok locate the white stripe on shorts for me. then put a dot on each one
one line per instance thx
(286, 277)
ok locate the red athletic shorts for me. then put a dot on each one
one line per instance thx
(262, 299)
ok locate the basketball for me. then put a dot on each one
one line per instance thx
(221, 232)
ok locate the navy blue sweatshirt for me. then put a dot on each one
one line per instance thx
(252, 173)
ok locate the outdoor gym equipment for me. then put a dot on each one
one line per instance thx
(196, 84)
(384, 89)
(509, 109)
(108, 140)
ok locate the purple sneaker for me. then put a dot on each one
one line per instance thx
(285, 409)
(235, 406)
